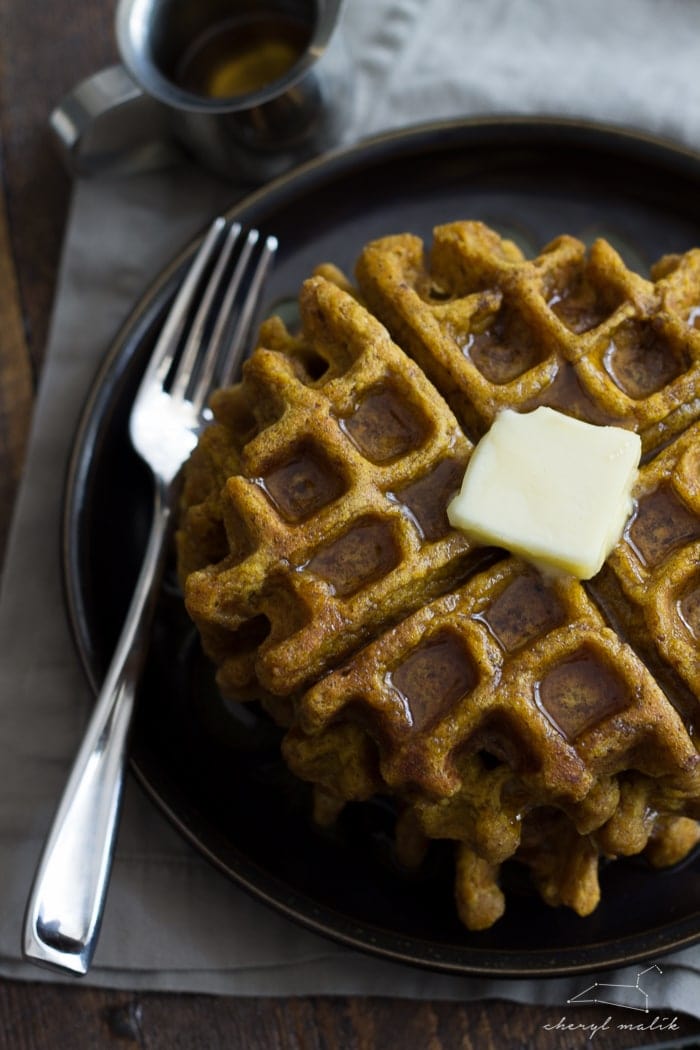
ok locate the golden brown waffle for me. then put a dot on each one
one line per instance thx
(513, 668)
(565, 866)
(573, 330)
(526, 718)
(481, 772)
(501, 700)
(332, 521)
(651, 582)
(563, 863)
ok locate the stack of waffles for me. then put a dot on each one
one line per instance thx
(525, 717)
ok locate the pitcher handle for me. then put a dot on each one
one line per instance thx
(108, 124)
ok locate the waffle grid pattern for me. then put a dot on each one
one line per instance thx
(522, 717)
(571, 329)
(334, 535)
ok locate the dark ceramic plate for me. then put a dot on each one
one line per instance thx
(215, 771)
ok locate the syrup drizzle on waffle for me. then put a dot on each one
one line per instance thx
(523, 717)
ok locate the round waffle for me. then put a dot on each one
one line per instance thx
(571, 329)
(333, 521)
(530, 719)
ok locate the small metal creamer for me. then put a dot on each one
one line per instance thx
(249, 88)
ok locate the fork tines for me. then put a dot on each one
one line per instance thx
(215, 306)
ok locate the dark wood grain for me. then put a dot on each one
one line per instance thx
(45, 1017)
(44, 49)
(15, 382)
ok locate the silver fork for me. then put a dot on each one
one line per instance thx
(66, 902)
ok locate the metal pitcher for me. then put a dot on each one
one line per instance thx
(145, 111)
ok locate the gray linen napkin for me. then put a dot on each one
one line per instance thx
(172, 922)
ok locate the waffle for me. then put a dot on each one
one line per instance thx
(563, 865)
(573, 330)
(518, 667)
(331, 522)
(532, 720)
(651, 582)
(551, 708)
(505, 697)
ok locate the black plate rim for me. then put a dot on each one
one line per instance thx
(442, 135)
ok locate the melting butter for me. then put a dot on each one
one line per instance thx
(550, 488)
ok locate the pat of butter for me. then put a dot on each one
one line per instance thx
(550, 488)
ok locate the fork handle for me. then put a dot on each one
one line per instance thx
(65, 906)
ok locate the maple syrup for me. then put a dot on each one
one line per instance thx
(432, 679)
(660, 525)
(301, 485)
(580, 692)
(384, 426)
(363, 554)
(525, 610)
(240, 56)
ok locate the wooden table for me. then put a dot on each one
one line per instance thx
(44, 49)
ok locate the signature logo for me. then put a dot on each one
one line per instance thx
(626, 996)
(622, 995)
